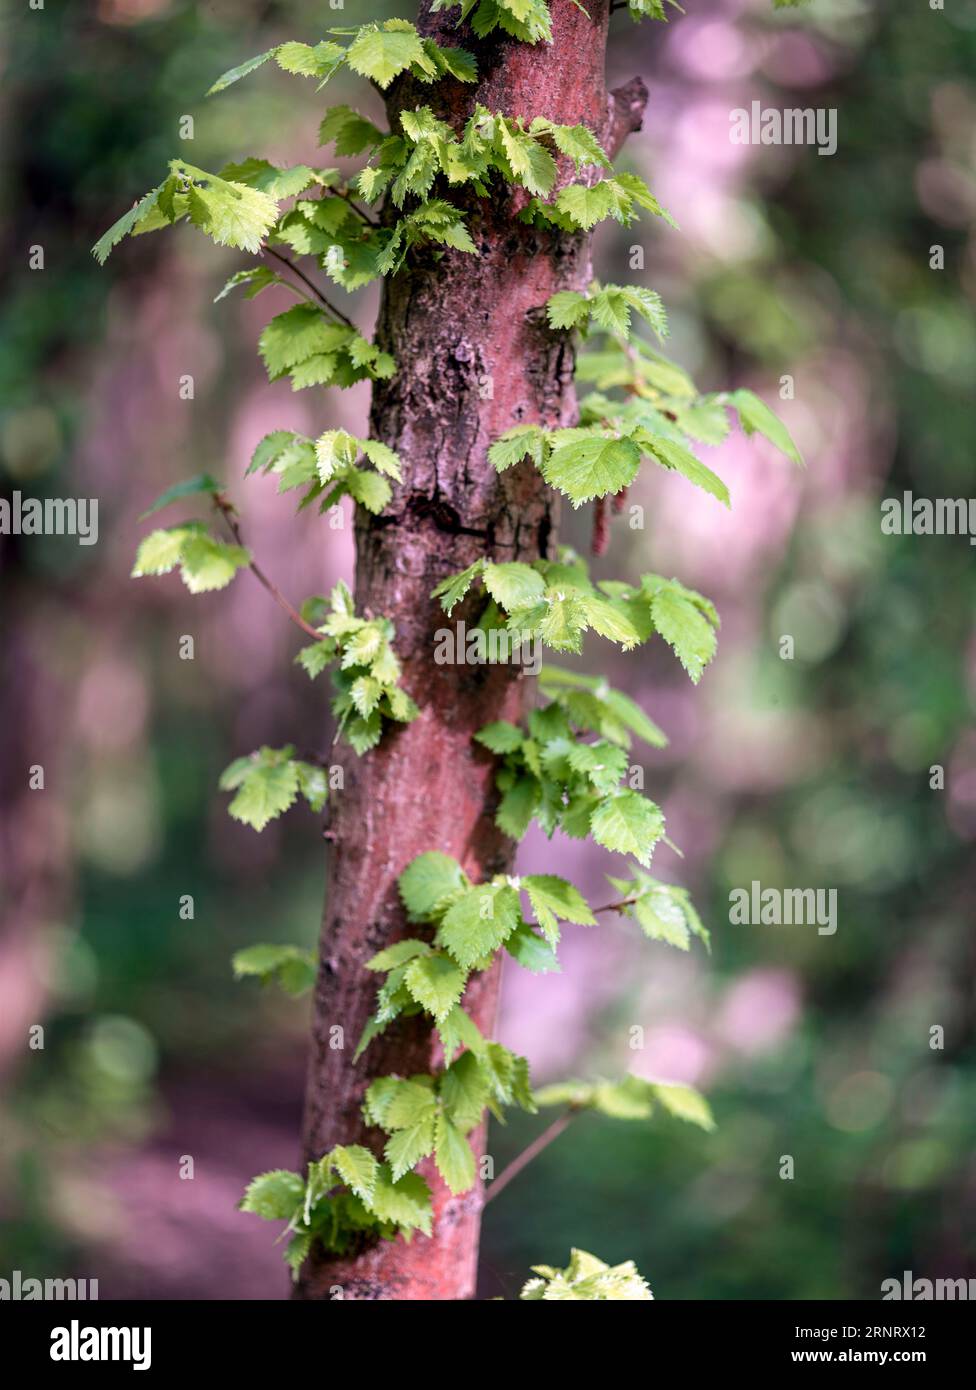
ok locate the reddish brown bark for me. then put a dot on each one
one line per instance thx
(475, 357)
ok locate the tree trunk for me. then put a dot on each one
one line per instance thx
(475, 357)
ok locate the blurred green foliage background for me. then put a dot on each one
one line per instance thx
(811, 772)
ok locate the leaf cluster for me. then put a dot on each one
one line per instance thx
(268, 782)
(366, 680)
(555, 601)
(347, 1195)
(335, 465)
(585, 1278)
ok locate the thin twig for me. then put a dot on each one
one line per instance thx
(513, 1169)
(227, 512)
(297, 270)
(618, 907)
(344, 193)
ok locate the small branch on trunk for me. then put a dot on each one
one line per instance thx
(626, 113)
(297, 270)
(230, 517)
(513, 1169)
(601, 527)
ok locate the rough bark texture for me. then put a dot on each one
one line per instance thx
(475, 357)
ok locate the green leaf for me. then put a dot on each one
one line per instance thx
(297, 335)
(532, 165)
(365, 694)
(316, 657)
(609, 621)
(553, 896)
(381, 456)
(684, 1103)
(661, 919)
(407, 1147)
(674, 456)
(296, 1251)
(304, 60)
(351, 132)
(235, 74)
(586, 1278)
(628, 824)
(313, 784)
(369, 489)
(380, 54)
(271, 448)
(290, 966)
(267, 793)
(453, 1156)
(584, 205)
(610, 310)
(531, 951)
(405, 1202)
(456, 61)
(649, 9)
(629, 1099)
(630, 714)
(427, 881)
(109, 240)
(577, 1094)
(193, 487)
(207, 564)
(564, 621)
(514, 585)
(500, 737)
(755, 417)
(363, 734)
(459, 1030)
(231, 213)
(269, 178)
(436, 984)
(679, 620)
(516, 807)
(452, 590)
(256, 279)
(267, 784)
(465, 1090)
(335, 453)
(478, 922)
(275, 1196)
(398, 954)
(579, 144)
(648, 305)
(358, 1169)
(593, 466)
(567, 309)
(512, 446)
(394, 1103)
(632, 188)
(160, 551)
